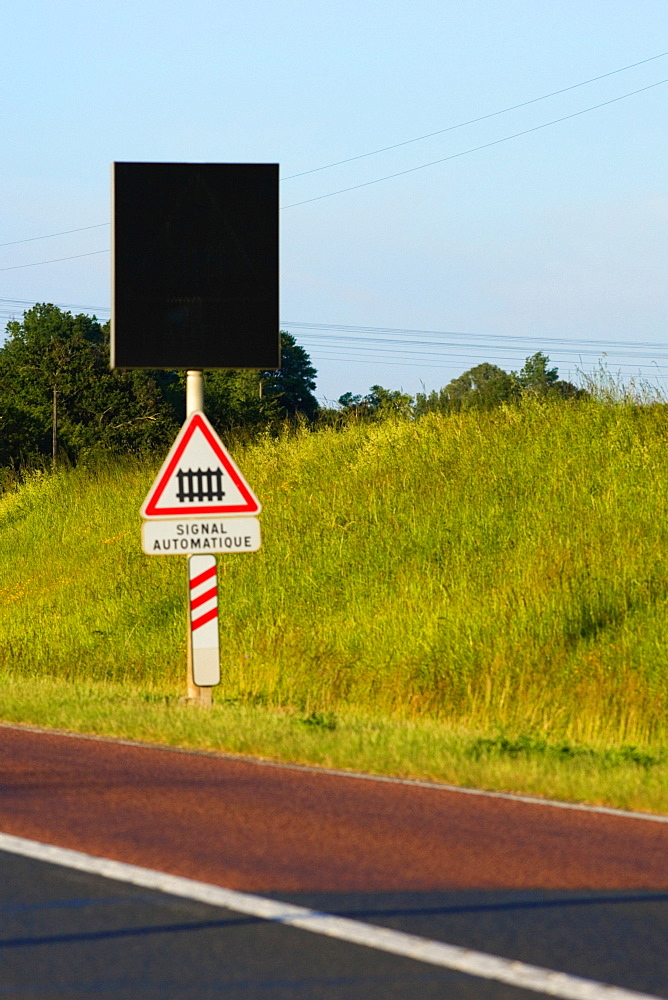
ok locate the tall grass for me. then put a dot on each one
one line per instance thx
(505, 572)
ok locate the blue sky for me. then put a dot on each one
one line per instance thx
(553, 240)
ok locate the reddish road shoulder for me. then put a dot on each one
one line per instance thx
(270, 829)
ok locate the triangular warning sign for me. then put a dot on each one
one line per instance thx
(199, 478)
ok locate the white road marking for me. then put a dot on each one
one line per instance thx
(414, 782)
(447, 956)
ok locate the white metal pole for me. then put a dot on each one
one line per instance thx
(194, 391)
(194, 402)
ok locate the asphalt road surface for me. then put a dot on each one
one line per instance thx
(580, 892)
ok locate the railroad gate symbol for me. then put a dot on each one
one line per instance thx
(200, 485)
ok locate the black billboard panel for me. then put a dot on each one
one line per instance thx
(195, 265)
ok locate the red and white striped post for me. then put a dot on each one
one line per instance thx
(199, 656)
(203, 599)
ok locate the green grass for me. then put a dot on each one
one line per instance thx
(477, 599)
(625, 777)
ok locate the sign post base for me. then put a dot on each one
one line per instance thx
(200, 697)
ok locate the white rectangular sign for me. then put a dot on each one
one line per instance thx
(212, 535)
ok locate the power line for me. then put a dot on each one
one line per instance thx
(56, 260)
(416, 363)
(70, 305)
(461, 351)
(398, 350)
(387, 177)
(404, 353)
(50, 236)
(400, 338)
(475, 149)
(402, 348)
(473, 121)
(406, 332)
(406, 142)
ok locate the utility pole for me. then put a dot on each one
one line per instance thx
(54, 429)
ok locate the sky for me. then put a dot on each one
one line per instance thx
(555, 239)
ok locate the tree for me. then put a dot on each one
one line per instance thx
(20, 434)
(437, 401)
(291, 386)
(378, 403)
(235, 398)
(246, 397)
(52, 355)
(567, 390)
(536, 377)
(479, 388)
(538, 380)
(487, 386)
(389, 402)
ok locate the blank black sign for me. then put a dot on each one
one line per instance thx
(195, 259)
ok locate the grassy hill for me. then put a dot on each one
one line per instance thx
(477, 598)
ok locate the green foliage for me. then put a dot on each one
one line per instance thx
(487, 386)
(98, 410)
(487, 567)
(479, 388)
(291, 387)
(233, 398)
(536, 377)
(377, 404)
(487, 573)
(21, 433)
(252, 399)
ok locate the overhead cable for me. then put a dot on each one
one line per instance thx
(451, 350)
(474, 121)
(422, 364)
(475, 149)
(50, 236)
(56, 260)
(399, 331)
(406, 142)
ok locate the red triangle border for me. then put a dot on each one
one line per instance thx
(197, 421)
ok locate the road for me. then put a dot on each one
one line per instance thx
(581, 892)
